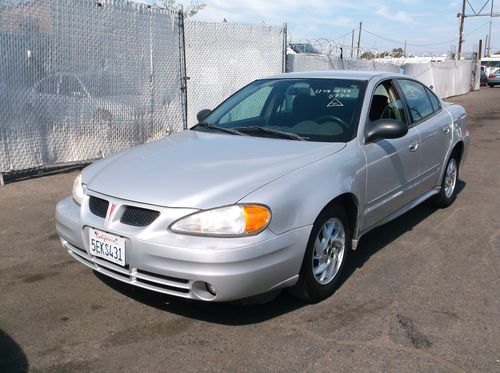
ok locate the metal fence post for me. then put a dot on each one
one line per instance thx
(151, 73)
(183, 69)
(285, 45)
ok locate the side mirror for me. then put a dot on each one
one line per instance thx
(203, 114)
(386, 129)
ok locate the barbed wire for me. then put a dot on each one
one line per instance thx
(334, 48)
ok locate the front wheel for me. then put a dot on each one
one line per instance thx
(327, 251)
(448, 191)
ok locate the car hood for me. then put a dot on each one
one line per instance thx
(200, 170)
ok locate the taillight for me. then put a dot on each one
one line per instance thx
(492, 76)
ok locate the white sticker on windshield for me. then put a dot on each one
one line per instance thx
(334, 103)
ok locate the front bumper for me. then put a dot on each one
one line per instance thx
(182, 265)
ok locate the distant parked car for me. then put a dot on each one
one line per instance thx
(484, 77)
(96, 109)
(272, 189)
(494, 78)
(84, 97)
(303, 48)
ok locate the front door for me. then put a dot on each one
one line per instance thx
(392, 165)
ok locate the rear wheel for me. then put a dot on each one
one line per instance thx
(491, 85)
(327, 251)
(448, 192)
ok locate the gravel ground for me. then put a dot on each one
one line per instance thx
(421, 294)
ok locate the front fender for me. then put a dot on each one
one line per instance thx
(297, 198)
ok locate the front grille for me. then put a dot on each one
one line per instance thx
(138, 217)
(98, 206)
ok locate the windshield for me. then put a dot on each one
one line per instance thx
(314, 109)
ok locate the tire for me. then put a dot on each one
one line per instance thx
(313, 287)
(491, 85)
(448, 191)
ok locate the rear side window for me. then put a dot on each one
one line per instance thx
(434, 100)
(419, 103)
(49, 85)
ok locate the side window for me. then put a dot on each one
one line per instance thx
(418, 101)
(434, 100)
(49, 85)
(386, 103)
(250, 107)
(70, 86)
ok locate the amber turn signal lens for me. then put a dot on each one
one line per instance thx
(256, 218)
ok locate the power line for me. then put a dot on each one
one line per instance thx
(422, 45)
(410, 44)
(343, 36)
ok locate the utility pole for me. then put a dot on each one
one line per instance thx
(489, 32)
(359, 38)
(480, 50)
(352, 44)
(404, 50)
(461, 32)
(477, 13)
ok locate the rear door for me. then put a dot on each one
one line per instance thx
(434, 125)
(392, 164)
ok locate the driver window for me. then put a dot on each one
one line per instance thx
(386, 104)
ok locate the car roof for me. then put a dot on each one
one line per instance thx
(335, 74)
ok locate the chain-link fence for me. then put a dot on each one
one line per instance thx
(223, 57)
(81, 79)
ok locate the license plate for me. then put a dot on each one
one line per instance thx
(107, 246)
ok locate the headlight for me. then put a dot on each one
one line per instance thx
(78, 189)
(231, 221)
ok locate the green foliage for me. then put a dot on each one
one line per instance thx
(367, 55)
(396, 52)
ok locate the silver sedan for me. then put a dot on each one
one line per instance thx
(494, 78)
(272, 189)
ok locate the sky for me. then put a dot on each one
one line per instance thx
(427, 25)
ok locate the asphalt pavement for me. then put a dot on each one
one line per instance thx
(421, 294)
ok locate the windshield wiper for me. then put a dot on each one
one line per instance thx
(221, 129)
(254, 129)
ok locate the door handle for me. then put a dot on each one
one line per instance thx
(413, 147)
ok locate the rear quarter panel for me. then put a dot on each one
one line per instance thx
(459, 128)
